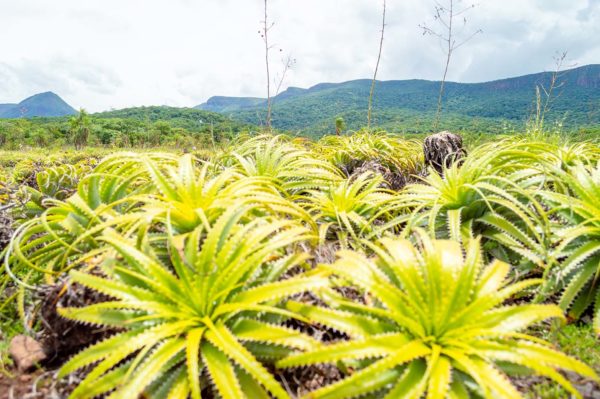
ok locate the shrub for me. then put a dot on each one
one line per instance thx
(580, 209)
(204, 319)
(291, 168)
(488, 198)
(350, 208)
(437, 325)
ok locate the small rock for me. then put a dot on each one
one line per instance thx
(585, 390)
(26, 352)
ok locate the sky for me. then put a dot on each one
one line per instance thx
(111, 54)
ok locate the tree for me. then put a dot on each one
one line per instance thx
(79, 129)
(376, 69)
(160, 132)
(340, 125)
(265, 36)
(445, 15)
(40, 137)
(287, 62)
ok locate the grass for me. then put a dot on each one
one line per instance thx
(577, 340)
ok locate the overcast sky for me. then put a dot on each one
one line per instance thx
(102, 54)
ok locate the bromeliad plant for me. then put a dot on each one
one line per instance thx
(202, 321)
(351, 208)
(131, 191)
(57, 182)
(291, 168)
(399, 155)
(192, 195)
(437, 326)
(482, 197)
(581, 267)
(66, 232)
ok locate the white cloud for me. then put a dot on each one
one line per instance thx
(102, 54)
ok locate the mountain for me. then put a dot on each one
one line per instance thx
(225, 104)
(409, 105)
(43, 104)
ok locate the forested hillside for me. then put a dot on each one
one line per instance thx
(409, 105)
(131, 127)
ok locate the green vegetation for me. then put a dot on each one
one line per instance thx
(135, 127)
(582, 267)
(575, 340)
(189, 316)
(435, 325)
(220, 272)
(409, 106)
(402, 107)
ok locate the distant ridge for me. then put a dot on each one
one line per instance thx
(225, 104)
(412, 102)
(46, 104)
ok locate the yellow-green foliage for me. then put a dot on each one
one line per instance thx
(436, 327)
(350, 208)
(204, 319)
(201, 254)
(581, 240)
(404, 156)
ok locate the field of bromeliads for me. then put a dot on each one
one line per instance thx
(278, 267)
